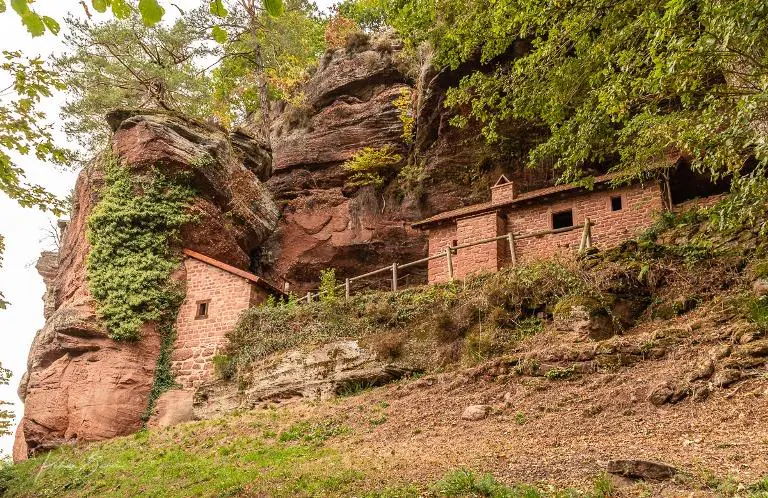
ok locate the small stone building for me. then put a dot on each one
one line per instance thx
(216, 295)
(616, 214)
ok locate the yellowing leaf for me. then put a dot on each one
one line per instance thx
(121, 9)
(219, 34)
(151, 12)
(2, 6)
(100, 5)
(273, 7)
(20, 6)
(218, 9)
(33, 22)
(52, 25)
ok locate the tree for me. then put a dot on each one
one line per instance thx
(24, 130)
(37, 24)
(266, 55)
(124, 63)
(370, 15)
(617, 83)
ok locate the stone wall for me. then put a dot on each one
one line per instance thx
(440, 237)
(610, 228)
(198, 339)
(640, 204)
(482, 257)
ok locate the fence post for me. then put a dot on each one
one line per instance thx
(394, 277)
(511, 241)
(589, 234)
(309, 296)
(449, 260)
(346, 289)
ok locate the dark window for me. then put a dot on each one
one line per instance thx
(454, 243)
(202, 309)
(563, 219)
(616, 203)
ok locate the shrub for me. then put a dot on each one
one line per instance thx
(372, 166)
(403, 105)
(337, 32)
(464, 482)
(560, 373)
(328, 292)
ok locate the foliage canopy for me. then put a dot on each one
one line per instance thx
(617, 82)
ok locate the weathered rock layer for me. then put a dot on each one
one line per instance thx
(350, 105)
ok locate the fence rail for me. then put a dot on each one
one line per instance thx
(450, 251)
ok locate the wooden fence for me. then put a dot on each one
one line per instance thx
(449, 252)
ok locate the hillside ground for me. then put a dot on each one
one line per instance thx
(552, 433)
(569, 380)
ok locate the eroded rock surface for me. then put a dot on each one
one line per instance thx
(81, 385)
(349, 105)
(316, 374)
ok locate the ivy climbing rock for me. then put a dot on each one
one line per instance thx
(82, 384)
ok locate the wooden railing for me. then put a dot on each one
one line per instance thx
(450, 251)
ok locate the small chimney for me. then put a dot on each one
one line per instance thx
(503, 190)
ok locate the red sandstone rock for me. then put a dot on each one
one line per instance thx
(348, 107)
(81, 385)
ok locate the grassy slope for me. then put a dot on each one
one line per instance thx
(257, 453)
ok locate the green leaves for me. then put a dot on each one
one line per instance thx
(151, 12)
(121, 9)
(23, 129)
(217, 8)
(273, 7)
(615, 85)
(34, 23)
(131, 231)
(52, 25)
(100, 5)
(219, 34)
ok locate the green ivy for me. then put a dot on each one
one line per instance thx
(132, 232)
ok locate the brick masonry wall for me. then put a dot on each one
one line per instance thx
(503, 193)
(199, 339)
(482, 257)
(440, 237)
(639, 206)
(610, 228)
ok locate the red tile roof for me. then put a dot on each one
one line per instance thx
(491, 206)
(264, 284)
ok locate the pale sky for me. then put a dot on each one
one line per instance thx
(24, 229)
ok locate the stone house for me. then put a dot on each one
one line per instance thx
(216, 295)
(616, 214)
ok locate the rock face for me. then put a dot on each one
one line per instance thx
(348, 106)
(81, 385)
(641, 469)
(316, 374)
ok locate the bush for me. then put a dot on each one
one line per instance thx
(372, 166)
(339, 30)
(328, 292)
(463, 482)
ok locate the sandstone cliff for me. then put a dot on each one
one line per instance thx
(80, 384)
(348, 105)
